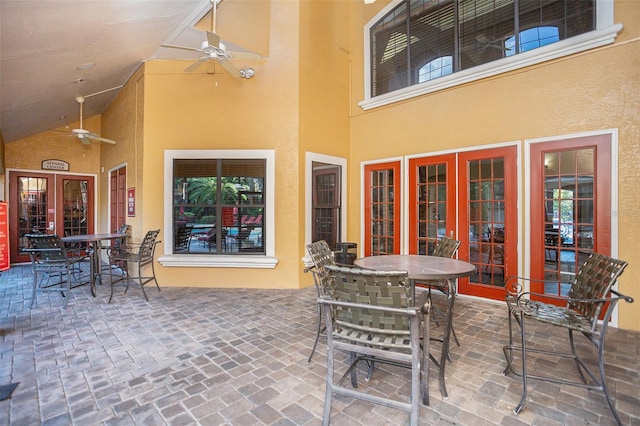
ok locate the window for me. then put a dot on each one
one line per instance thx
(419, 46)
(531, 39)
(220, 206)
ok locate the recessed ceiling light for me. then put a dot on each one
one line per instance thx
(86, 66)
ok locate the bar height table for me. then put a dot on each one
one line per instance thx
(426, 268)
(95, 241)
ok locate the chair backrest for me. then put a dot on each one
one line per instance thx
(121, 244)
(391, 289)
(183, 234)
(594, 280)
(446, 247)
(148, 246)
(49, 248)
(321, 256)
(124, 229)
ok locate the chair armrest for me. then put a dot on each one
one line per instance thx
(514, 284)
(627, 299)
(409, 311)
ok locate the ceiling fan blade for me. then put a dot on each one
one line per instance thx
(196, 64)
(249, 56)
(193, 49)
(231, 69)
(213, 39)
(95, 137)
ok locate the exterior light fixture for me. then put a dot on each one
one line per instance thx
(247, 72)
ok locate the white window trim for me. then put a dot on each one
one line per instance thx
(605, 33)
(188, 260)
(310, 158)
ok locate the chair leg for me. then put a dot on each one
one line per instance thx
(318, 332)
(604, 381)
(524, 367)
(326, 415)
(35, 288)
(153, 273)
(141, 283)
(66, 299)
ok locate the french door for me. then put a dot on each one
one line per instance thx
(487, 219)
(48, 203)
(432, 215)
(382, 213)
(476, 193)
(570, 208)
(118, 198)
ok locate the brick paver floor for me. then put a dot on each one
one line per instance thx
(193, 356)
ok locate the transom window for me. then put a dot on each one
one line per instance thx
(420, 40)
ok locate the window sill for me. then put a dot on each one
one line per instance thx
(205, 261)
(560, 49)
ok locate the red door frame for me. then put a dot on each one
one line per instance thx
(449, 160)
(54, 202)
(395, 166)
(510, 256)
(602, 188)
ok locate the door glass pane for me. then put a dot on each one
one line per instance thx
(32, 207)
(432, 204)
(487, 220)
(569, 209)
(382, 211)
(75, 207)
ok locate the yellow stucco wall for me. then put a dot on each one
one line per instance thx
(123, 122)
(324, 93)
(591, 91)
(208, 109)
(29, 152)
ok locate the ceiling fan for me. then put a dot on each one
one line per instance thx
(84, 135)
(214, 49)
(483, 43)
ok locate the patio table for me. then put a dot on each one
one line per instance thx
(426, 268)
(95, 243)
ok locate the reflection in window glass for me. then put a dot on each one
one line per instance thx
(531, 39)
(421, 40)
(436, 68)
(218, 206)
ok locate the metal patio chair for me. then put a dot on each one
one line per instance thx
(50, 257)
(142, 256)
(321, 256)
(445, 247)
(371, 315)
(586, 310)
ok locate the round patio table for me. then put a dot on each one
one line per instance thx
(426, 268)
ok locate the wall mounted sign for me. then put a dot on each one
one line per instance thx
(55, 165)
(131, 202)
(4, 237)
